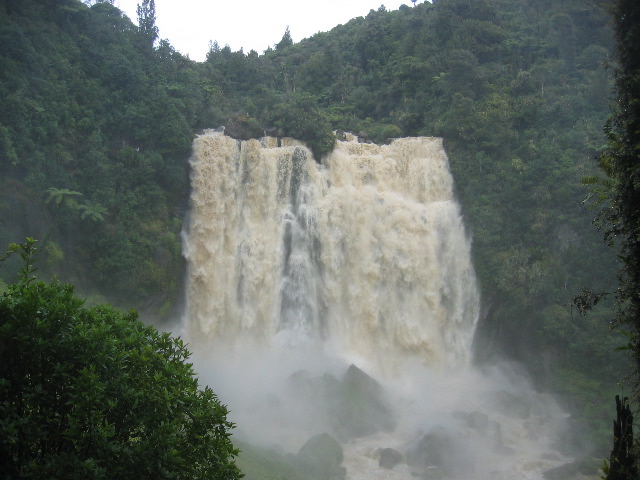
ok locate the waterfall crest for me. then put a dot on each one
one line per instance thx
(366, 252)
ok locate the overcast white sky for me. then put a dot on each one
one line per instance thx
(189, 25)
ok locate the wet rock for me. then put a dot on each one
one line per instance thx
(321, 457)
(354, 406)
(389, 458)
(563, 472)
(487, 428)
(360, 407)
(431, 450)
(363, 137)
(475, 420)
(515, 406)
(438, 450)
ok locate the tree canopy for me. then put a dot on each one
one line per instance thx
(94, 393)
(620, 218)
(621, 161)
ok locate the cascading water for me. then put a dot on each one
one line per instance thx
(300, 267)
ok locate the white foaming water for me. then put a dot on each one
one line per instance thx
(296, 266)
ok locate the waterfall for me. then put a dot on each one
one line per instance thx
(297, 269)
(366, 252)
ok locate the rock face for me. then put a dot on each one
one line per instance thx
(321, 457)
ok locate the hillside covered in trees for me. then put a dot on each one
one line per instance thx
(97, 117)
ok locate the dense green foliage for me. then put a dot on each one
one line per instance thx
(299, 117)
(89, 106)
(621, 216)
(518, 88)
(621, 161)
(94, 393)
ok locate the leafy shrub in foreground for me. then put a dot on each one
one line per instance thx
(94, 393)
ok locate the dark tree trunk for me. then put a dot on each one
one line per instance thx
(622, 465)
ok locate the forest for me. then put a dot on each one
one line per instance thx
(97, 116)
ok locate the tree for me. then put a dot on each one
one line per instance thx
(63, 196)
(94, 393)
(286, 40)
(622, 458)
(299, 117)
(147, 21)
(92, 211)
(621, 163)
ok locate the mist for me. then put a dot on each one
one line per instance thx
(336, 304)
(468, 423)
